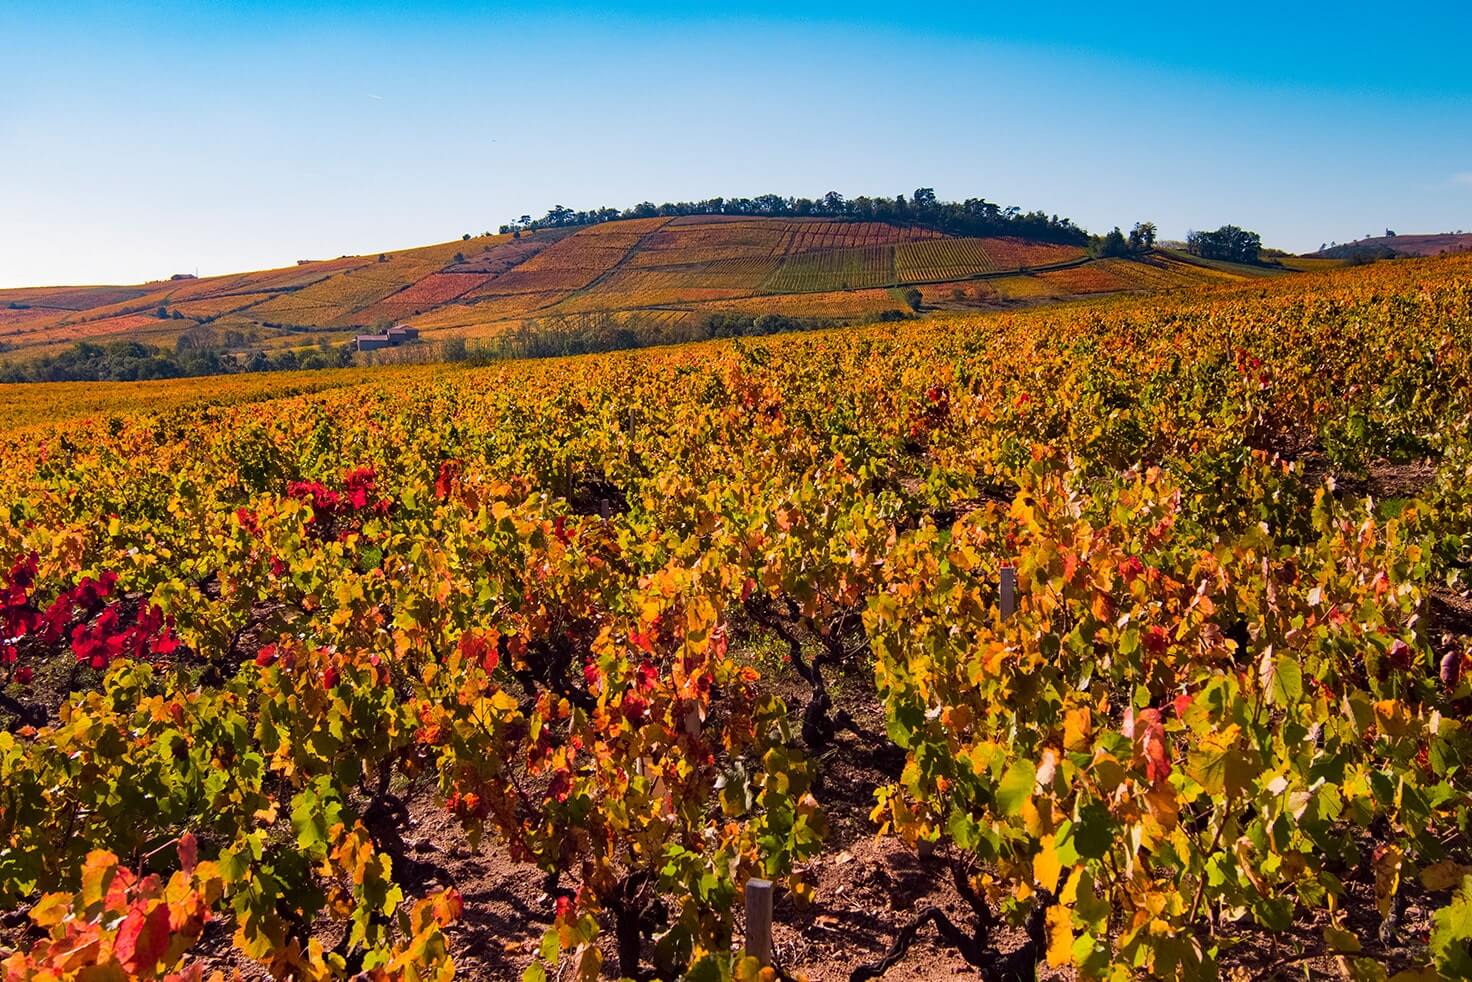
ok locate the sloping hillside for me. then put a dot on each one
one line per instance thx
(1396, 246)
(656, 269)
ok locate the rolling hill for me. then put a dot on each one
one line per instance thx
(1400, 246)
(657, 270)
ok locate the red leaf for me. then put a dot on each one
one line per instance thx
(143, 938)
(188, 852)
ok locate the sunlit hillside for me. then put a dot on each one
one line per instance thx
(654, 270)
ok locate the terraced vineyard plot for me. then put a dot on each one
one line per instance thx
(436, 289)
(835, 269)
(941, 259)
(1008, 253)
(504, 256)
(70, 298)
(218, 306)
(1093, 278)
(707, 243)
(815, 234)
(838, 305)
(105, 327)
(523, 280)
(746, 275)
(648, 287)
(1160, 271)
(576, 254)
(467, 315)
(336, 301)
(1025, 287)
(19, 322)
(627, 231)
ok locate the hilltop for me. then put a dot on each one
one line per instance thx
(1399, 246)
(665, 274)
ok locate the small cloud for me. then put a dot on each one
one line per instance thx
(1464, 179)
(380, 99)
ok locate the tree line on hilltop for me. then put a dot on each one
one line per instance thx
(974, 216)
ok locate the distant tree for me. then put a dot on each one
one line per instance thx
(1229, 243)
(465, 237)
(1142, 237)
(972, 217)
(1389, 234)
(913, 298)
(162, 312)
(459, 257)
(382, 257)
(1112, 243)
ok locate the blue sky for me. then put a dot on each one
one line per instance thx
(139, 140)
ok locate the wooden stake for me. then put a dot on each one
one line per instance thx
(1009, 592)
(759, 920)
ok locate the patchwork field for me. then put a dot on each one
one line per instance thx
(640, 268)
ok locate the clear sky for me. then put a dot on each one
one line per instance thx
(142, 139)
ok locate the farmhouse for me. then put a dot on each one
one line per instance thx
(391, 338)
(372, 342)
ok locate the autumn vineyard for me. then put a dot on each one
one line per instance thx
(526, 671)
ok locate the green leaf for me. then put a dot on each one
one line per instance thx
(1016, 786)
(1094, 832)
(1450, 933)
(1287, 681)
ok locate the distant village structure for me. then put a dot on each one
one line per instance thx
(391, 338)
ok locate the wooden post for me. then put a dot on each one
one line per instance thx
(1008, 591)
(759, 920)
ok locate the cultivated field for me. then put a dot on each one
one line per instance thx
(1117, 639)
(482, 286)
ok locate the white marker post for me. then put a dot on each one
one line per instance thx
(1008, 591)
(759, 920)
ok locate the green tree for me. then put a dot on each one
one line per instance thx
(1111, 244)
(1229, 243)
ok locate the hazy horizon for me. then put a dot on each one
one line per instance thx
(164, 138)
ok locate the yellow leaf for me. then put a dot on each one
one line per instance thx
(1046, 866)
(51, 909)
(1060, 937)
(1339, 939)
(1387, 877)
(1070, 889)
(1443, 875)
